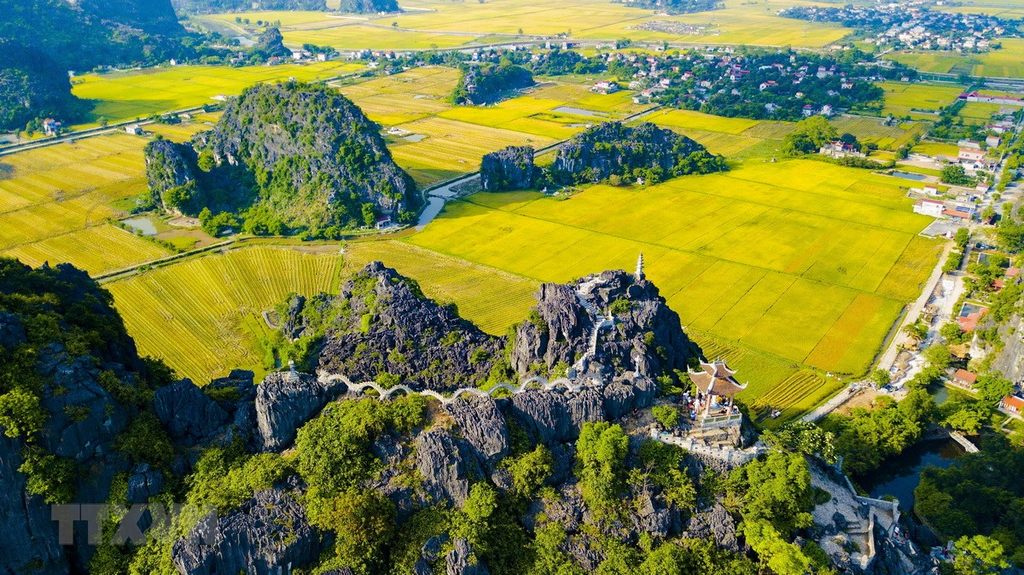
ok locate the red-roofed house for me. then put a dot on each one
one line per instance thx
(1013, 405)
(964, 379)
(956, 215)
(969, 322)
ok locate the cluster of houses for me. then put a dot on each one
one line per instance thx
(912, 25)
(956, 210)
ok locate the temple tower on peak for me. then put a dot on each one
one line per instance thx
(639, 275)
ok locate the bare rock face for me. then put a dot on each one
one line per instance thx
(510, 168)
(644, 336)
(169, 167)
(287, 400)
(265, 534)
(387, 327)
(715, 523)
(544, 415)
(12, 333)
(461, 560)
(447, 465)
(29, 541)
(189, 415)
(482, 425)
(623, 395)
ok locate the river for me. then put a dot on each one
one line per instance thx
(900, 475)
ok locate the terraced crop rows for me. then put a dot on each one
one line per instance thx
(203, 316)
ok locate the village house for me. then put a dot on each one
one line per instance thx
(971, 155)
(52, 127)
(964, 379)
(841, 149)
(933, 208)
(135, 130)
(605, 87)
(1012, 405)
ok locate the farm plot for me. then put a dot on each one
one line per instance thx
(405, 97)
(980, 112)
(794, 262)
(449, 148)
(55, 202)
(917, 100)
(376, 37)
(203, 316)
(874, 131)
(121, 96)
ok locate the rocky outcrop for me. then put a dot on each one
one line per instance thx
(461, 560)
(330, 166)
(33, 86)
(624, 394)
(488, 83)
(369, 6)
(267, 533)
(544, 415)
(287, 400)
(447, 466)
(270, 44)
(143, 483)
(28, 537)
(12, 332)
(714, 523)
(510, 168)
(615, 149)
(189, 415)
(482, 425)
(645, 338)
(171, 174)
(387, 328)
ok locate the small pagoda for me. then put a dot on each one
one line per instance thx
(716, 389)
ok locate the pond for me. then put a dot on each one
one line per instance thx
(910, 176)
(900, 475)
(142, 225)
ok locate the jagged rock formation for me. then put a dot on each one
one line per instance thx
(267, 533)
(213, 6)
(369, 6)
(171, 174)
(270, 44)
(64, 349)
(387, 328)
(482, 425)
(488, 83)
(602, 324)
(510, 168)
(286, 400)
(641, 152)
(447, 466)
(189, 414)
(461, 560)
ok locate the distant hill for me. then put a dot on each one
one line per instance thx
(33, 85)
(285, 158)
(211, 6)
(88, 33)
(369, 6)
(489, 83)
(676, 6)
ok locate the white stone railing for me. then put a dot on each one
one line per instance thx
(532, 383)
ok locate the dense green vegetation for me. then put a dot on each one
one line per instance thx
(678, 6)
(489, 82)
(33, 86)
(327, 170)
(979, 494)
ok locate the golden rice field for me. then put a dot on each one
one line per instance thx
(870, 130)
(807, 263)
(1007, 62)
(904, 98)
(55, 202)
(936, 149)
(121, 96)
(203, 316)
(980, 112)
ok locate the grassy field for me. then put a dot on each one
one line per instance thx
(124, 96)
(936, 149)
(904, 98)
(804, 265)
(428, 24)
(1007, 62)
(203, 316)
(980, 112)
(871, 130)
(436, 140)
(55, 203)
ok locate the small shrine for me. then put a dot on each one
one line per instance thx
(716, 389)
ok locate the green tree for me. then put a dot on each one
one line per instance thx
(600, 456)
(993, 387)
(21, 414)
(666, 415)
(365, 522)
(782, 557)
(810, 135)
(776, 490)
(881, 378)
(529, 471)
(978, 555)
